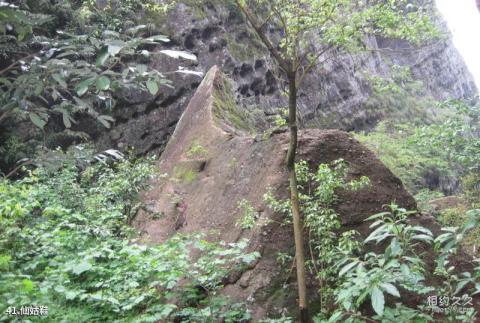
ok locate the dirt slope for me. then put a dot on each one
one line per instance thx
(212, 162)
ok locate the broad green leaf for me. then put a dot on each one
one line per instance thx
(395, 247)
(115, 46)
(83, 86)
(152, 86)
(376, 216)
(80, 102)
(347, 267)
(67, 53)
(405, 270)
(103, 83)
(423, 237)
(335, 317)
(378, 234)
(136, 29)
(161, 38)
(81, 267)
(67, 119)
(460, 286)
(37, 120)
(378, 300)
(391, 289)
(102, 56)
(423, 230)
(38, 89)
(60, 80)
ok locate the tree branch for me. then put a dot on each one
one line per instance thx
(16, 169)
(9, 67)
(313, 63)
(284, 64)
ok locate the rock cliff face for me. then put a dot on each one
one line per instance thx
(335, 95)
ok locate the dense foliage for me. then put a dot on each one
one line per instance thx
(66, 244)
(66, 239)
(448, 146)
(350, 274)
(70, 60)
(402, 268)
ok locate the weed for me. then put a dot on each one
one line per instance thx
(249, 215)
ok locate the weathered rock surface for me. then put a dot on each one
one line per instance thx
(202, 187)
(335, 95)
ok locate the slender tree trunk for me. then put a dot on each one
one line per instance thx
(297, 217)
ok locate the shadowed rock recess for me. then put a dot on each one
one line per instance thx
(212, 162)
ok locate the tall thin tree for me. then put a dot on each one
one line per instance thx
(333, 26)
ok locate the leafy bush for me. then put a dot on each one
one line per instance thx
(457, 217)
(400, 268)
(399, 96)
(65, 244)
(408, 162)
(67, 71)
(450, 146)
(318, 193)
(65, 61)
(349, 277)
(249, 215)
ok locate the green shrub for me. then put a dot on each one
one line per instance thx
(401, 268)
(249, 215)
(318, 193)
(65, 244)
(196, 150)
(408, 162)
(424, 196)
(457, 217)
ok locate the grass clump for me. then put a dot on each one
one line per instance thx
(185, 174)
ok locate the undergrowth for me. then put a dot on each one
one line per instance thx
(367, 280)
(430, 156)
(65, 243)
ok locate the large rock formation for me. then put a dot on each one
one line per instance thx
(335, 95)
(211, 163)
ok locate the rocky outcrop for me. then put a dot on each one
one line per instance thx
(211, 163)
(335, 95)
